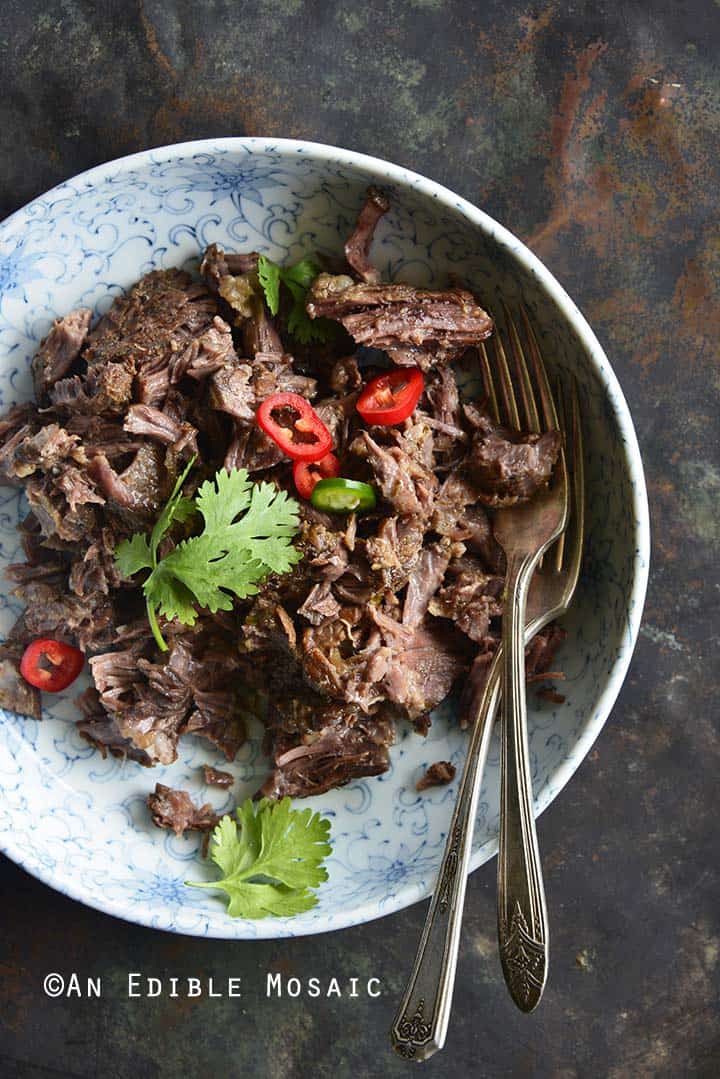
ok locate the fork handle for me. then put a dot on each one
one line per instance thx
(421, 1022)
(522, 913)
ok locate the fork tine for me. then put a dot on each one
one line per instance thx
(566, 553)
(506, 387)
(532, 420)
(488, 384)
(574, 541)
(558, 551)
(549, 412)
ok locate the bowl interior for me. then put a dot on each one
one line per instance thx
(80, 821)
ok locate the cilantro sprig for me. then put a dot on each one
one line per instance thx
(247, 534)
(297, 279)
(270, 864)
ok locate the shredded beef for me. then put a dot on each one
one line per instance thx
(470, 599)
(345, 376)
(204, 354)
(422, 673)
(193, 689)
(365, 657)
(59, 350)
(176, 811)
(152, 423)
(45, 450)
(259, 333)
(414, 326)
(507, 467)
(457, 515)
(319, 604)
(323, 746)
(16, 694)
(394, 550)
(252, 449)
(156, 320)
(142, 487)
(216, 265)
(216, 718)
(437, 775)
(215, 778)
(405, 484)
(231, 391)
(358, 246)
(386, 612)
(540, 653)
(100, 729)
(240, 389)
(424, 581)
(108, 388)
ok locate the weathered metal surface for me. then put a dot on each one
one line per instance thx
(593, 132)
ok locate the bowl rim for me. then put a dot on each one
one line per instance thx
(402, 177)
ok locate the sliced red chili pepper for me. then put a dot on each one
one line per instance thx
(307, 473)
(293, 423)
(391, 397)
(51, 665)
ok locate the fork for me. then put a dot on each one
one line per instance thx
(525, 532)
(420, 1025)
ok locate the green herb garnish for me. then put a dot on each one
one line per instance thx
(269, 866)
(297, 279)
(247, 535)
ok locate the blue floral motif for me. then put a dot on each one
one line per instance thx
(221, 178)
(83, 243)
(157, 889)
(17, 270)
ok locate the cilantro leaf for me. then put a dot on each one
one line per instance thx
(247, 535)
(306, 330)
(233, 555)
(297, 279)
(258, 900)
(209, 570)
(303, 273)
(221, 500)
(171, 598)
(288, 835)
(272, 862)
(133, 555)
(176, 507)
(272, 516)
(137, 553)
(269, 275)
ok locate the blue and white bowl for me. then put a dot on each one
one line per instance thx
(79, 822)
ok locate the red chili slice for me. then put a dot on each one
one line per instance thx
(307, 473)
(293, 423)
(390, 398)
(51, 665)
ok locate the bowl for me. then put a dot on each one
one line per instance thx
(79, 822)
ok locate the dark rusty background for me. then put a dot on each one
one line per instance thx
(591, 130)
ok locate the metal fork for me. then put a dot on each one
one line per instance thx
(525, 532)
(420, 1025)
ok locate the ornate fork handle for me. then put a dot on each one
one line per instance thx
(422, 1019)
(522, 914)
